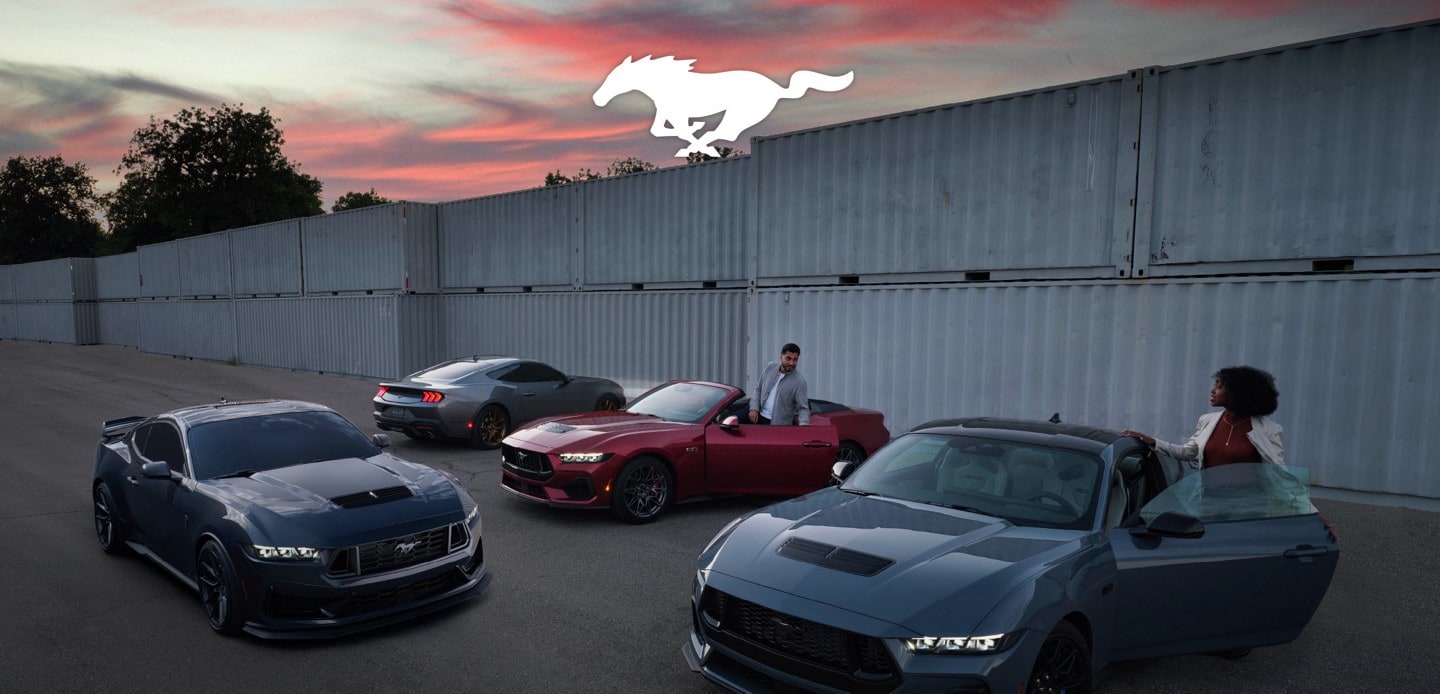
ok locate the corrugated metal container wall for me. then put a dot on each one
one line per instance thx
(61, 279)
(1036, 180)
(7, 321)
(117, 277)
(1324, 150)
(524, 239)
(51, 321)
(266, 258)
(352, 335)
(381, 248)
(205, 265)
(638, 339)
(198, 329)
(680, 225)
(116, 323)
(7, 283)
(159, 265)
(1115, 355)
(418, 340)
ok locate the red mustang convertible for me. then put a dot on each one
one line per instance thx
(679, 440)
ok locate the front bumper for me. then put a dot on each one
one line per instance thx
(535, 476)
(301, 602)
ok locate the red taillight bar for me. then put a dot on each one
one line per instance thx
(383, 390)
(431, 396)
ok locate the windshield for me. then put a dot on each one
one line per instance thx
(1243, 491)
(267, 442)
(1022, 483)
(679, 402)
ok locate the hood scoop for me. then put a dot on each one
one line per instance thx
(372, 497)
(832, 557)
(556, 428)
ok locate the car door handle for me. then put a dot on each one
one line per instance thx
(1306, 553)
(816, 444)
(526, 395)
(131, 479)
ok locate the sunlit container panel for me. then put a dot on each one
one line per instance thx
(61, 279)
(159, 265)
(1032, 183)
(266, 259)
(385, 248)
(352, 335)
(205, 265)
(516, 240)
(117, 276)
(683, 225)
(1324, 151)
(638, 339)
(1353, 357)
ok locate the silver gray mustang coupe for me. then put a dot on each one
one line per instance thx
(983, 555)
(285, 518)
(483, 399)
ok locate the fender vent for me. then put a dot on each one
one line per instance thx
(832, 557)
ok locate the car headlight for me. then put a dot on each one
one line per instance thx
(267, 553)
(958, 645)
(584, 457)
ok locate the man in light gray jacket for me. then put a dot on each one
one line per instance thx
(781, 396)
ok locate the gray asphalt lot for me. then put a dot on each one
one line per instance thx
(579, 601)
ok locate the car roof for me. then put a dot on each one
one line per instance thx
(223, 410)
(1075, 436)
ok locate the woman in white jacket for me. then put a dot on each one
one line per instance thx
(1241, 433)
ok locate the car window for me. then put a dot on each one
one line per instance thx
(267, 442)
(533, 372)
(679, 402)
(1243, 491)
(160, 441)
(450, 372)
(1023, 483)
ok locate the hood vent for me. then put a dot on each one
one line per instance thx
(832, 557)
(374, 496)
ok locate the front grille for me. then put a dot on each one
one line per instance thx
(535, 466)
(374, 496)
(524, 487)
(400, 552)
(862, 660)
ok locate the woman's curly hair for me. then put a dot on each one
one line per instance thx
(1249, 392)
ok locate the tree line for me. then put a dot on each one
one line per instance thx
(195, 173)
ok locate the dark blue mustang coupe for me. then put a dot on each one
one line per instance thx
(288, 521)
(1002, 556)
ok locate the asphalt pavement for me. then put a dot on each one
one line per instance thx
(579, 601)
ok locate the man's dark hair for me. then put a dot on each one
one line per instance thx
(790, 348)
(1249, 392)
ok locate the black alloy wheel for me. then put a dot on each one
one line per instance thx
(219, 595)
(643, 490)
(107, 527)
(490, 427)
(607, 403)
(1063, 664)
(849, 452)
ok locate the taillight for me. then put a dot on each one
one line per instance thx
(431, 396)
(383, 390)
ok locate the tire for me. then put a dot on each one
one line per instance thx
(1063, 664)
(849, 451)
(490, 427)
(107, 526)
(643, 490)
(220, 595)
(608, 403)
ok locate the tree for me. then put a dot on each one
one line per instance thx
(47, 210)
(619, 167)
(206, 171)
(355, 201)
(725, 153)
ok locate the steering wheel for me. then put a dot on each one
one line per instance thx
(1060, 501)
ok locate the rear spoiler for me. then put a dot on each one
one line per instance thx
(115, 428)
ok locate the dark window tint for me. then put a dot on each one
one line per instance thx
(161, 441)
(533, 372)
(274, 441)
(454, 371)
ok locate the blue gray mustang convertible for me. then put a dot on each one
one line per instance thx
(286, 519)
(985, 555)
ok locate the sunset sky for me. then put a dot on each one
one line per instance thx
(446, 100)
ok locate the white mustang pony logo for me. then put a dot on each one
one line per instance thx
(680, 95)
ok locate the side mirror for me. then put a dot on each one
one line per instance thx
(156, 470)
(841, 470)
(381, 440)
(1171, 524)
(730, 423)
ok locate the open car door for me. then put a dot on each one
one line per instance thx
(1229, 558)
